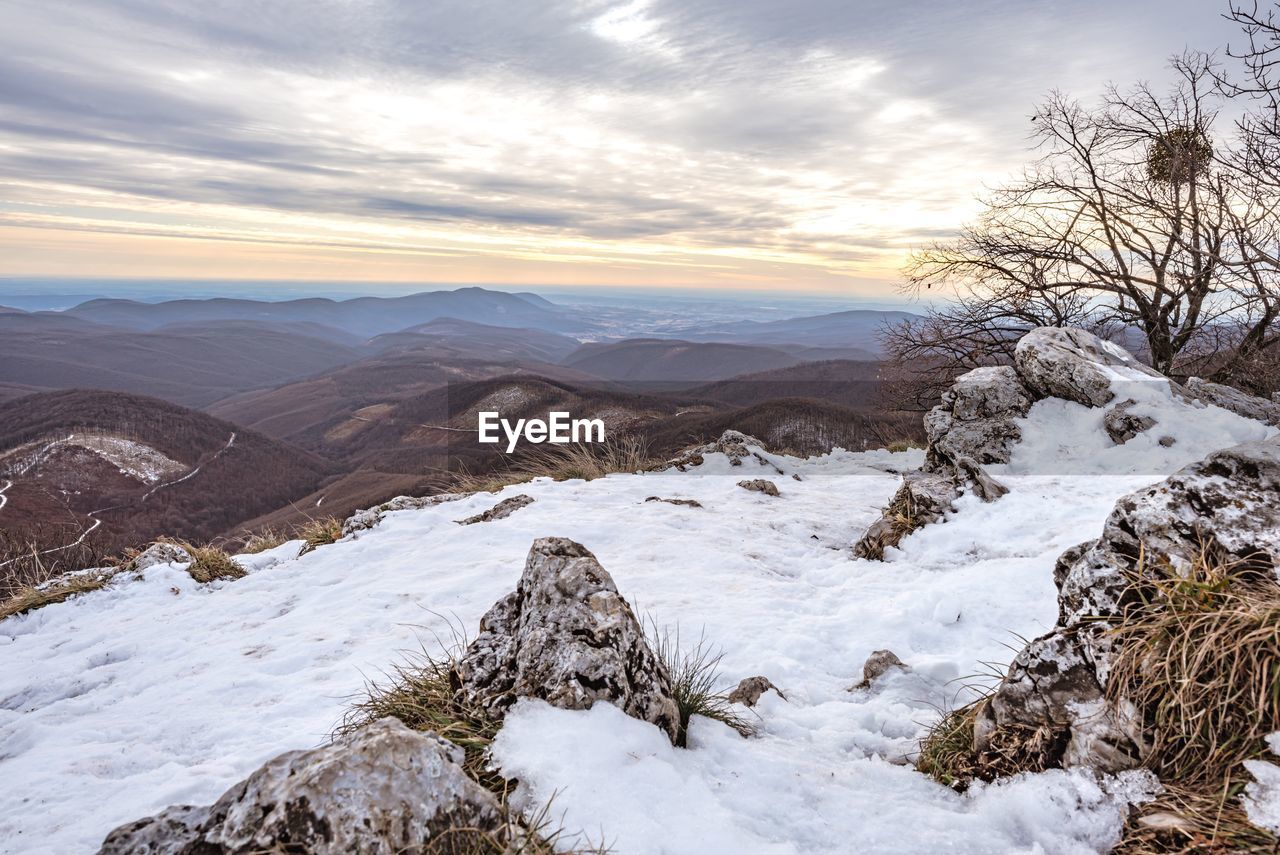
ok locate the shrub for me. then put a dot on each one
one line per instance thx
(321, 532)
(694, 674)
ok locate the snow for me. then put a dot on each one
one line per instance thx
(119, 703)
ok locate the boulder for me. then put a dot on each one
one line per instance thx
(500, 511)
(566, 636)
(976, 417)
(159, 553)
(1123, 425)
(748, 691)
(879, 663)
(688, 503)
(923, 498)
(381, 789)
(760, 485)
(733, 444)
(1240, 403)
(1077, 366)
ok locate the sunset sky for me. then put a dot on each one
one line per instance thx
(746, 144)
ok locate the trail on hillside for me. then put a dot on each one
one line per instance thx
(93, 515)
(4, 500)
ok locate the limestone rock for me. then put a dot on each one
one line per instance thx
(976, 417)
(1123, 425)
(1240, 403)
(748, 691)
(382, 789)
(369, 517)
(502, 510)
(879, 663)
(566, 636)
(733, 444)
(688, 503)
(159, 553)
(1077, 366)
(923, 498)
(760, 485)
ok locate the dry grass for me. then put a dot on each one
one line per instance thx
(321, 532)
(208, 563)
(34, 597)
(694, 674)
(261, 541)
(900, 445)
(1199, 655)
(585, 461)
(421, 692)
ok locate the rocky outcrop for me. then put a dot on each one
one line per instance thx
(760, 485)
(1225, 509)
(381, 789)
(923, 498)
(566, 636)
(1076, 366)
(976, 419)
(1240, 403)
(735, 445)
(748, 691)
(160, 552)
(369, 517)
(976, 423)
(500, 511)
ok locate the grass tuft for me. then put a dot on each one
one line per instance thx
(208, 563)
(694, 674)
(317, 533)
(34, 597)
(585, 461)
(261, 541)
(422, 693)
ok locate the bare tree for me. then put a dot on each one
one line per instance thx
(1128, 221)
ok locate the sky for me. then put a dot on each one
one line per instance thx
(772, 145)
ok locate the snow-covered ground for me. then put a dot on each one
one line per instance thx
(122, 702)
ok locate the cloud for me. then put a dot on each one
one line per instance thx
(827, 133)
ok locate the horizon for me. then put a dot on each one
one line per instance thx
(675, 148)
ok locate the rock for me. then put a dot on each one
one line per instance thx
(1122, 425)
(1226, 506)
(984, 486)
(749, 691)
(688, 503)
(502, 510)
(733, 444)
(159, 553)
(1240, 403)
(1076, 365)
(369, 517)
(923, 498)
(381, 789)
(877, 665)
(976, 417)
(1168, 442)
(760, 485)
(566, 636)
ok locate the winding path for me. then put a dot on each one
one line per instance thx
(93, 515)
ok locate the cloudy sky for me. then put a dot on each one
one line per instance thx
(801, 144)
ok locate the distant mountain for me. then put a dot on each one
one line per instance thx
(7, 310)
(450, 337)
(858, 328)
(666, 360)
(131, 468)
(362, 316)
(535, 299)
(192, 363)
